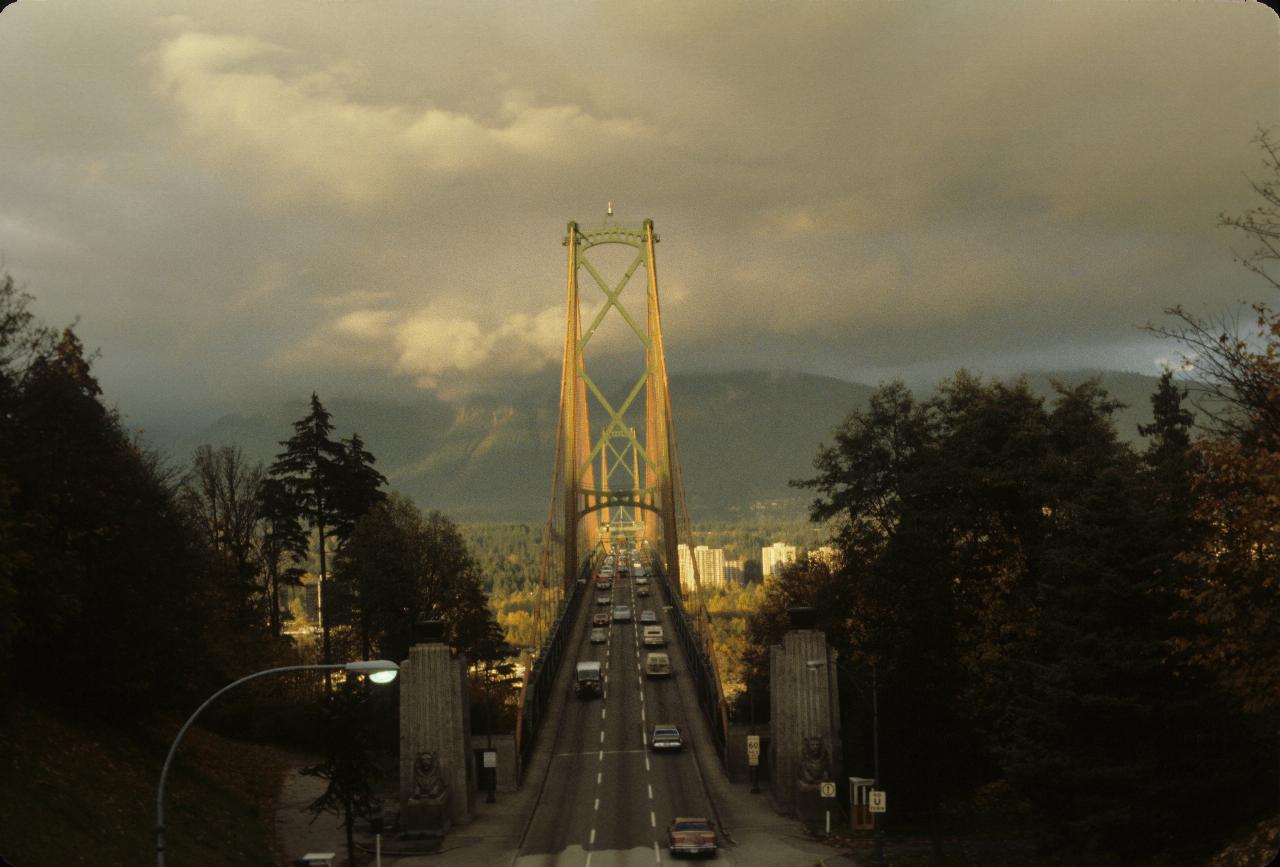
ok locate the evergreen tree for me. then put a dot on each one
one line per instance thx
(310, 465)
(283, 545)
(357, 487)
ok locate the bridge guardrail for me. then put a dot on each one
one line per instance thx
(540, 684)
(699, 664)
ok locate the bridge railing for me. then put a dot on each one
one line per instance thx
(540, 681)
(700, 666)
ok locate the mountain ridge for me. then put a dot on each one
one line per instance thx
(742, 435)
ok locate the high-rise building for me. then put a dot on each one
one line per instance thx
(686, 567)
(710, 565)
(773, 557)
(733, 571)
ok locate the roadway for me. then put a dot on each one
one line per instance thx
(607, 799)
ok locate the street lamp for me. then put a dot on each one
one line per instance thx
(378, 670)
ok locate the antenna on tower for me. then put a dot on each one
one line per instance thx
(609, 212)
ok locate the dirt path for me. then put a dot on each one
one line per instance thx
(296, 833)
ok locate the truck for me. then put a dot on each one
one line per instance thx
(588, 682)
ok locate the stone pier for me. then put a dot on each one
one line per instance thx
(435, 716)
(804, 703)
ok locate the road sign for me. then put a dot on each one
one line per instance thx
(877, 802)
(490, 758)
(827, 790)
(753, 750)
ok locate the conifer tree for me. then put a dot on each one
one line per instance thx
(310, 466)
(283, 547)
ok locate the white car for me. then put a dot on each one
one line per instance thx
(599, 635)
(622, 614)
(648, 616)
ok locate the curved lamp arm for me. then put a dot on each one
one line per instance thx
(370, 667)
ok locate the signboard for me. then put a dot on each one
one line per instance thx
(490, 758)
(753, 750)
(827, 790)
(877, 801)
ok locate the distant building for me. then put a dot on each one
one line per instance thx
(710, 565)
(686, 566)
(826, 554)
(710, 562)
(773, 558)
(733, 571)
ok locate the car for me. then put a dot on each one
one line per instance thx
(604, 599)
(648, 616)
(641, 581)
(666, 737)
(642, 591)
(652, 636)
(657, 665)
(599, 635)
(692, 835)
(622, 614)
(600, 619)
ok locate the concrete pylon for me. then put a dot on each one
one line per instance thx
(435, 711)
(804, 703)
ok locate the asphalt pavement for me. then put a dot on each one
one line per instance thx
(593, 794)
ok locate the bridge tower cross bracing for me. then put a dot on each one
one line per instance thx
(618, 483)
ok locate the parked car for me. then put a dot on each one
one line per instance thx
(692, 835)
(599, 635)
(666, 737)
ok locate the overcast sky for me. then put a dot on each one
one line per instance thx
(241, 199)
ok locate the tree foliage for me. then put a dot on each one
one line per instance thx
(400, 568)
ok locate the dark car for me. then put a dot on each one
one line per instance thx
(600, 619)
(692, 836)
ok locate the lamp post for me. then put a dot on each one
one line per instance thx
(378, 670)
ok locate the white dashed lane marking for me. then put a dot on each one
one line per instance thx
(650, 785)
(597, 806)
(653, 823)
(599, 777)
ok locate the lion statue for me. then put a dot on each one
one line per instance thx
(427, 782)
(813, 761)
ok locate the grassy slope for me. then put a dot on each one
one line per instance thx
(85, 794)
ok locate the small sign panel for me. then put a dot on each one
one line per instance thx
(827, 790)
(877, 801)
(753, 750)
(490, 758)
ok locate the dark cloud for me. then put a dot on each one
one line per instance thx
(375, 191)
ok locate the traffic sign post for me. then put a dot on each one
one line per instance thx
(827, 790)
(491, 766)
(877, 801)
(753, 762)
